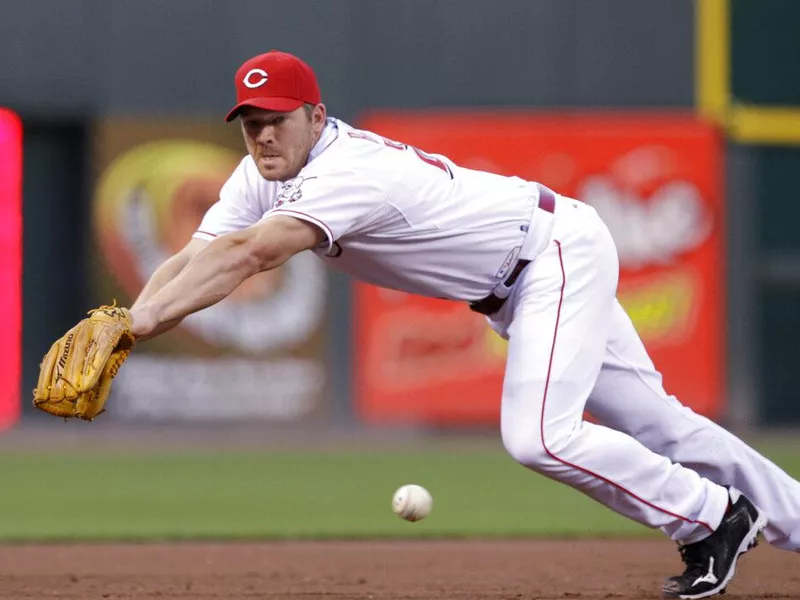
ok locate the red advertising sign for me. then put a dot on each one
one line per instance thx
(656, 179)
(11, 267)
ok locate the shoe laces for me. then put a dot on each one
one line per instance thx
(695, 556)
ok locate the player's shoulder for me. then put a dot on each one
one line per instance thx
(354, 137)
(355, 151)
(246, 188)
(244, 171)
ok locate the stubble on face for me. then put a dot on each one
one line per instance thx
(279, 142)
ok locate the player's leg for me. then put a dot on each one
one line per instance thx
(562, 310)
(561, 318)
(629, 396)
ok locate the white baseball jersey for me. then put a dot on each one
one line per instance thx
(393, 215)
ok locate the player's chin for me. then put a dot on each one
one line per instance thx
(273, 168)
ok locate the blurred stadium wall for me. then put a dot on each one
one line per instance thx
(94, 82)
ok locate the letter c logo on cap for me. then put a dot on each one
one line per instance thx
(248, 79)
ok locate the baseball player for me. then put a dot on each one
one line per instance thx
(542, 267)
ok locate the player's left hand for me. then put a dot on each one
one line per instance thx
(75, 375)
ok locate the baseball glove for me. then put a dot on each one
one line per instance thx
(75, 375)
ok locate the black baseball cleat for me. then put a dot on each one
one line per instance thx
(711, 562)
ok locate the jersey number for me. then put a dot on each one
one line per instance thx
(424, 156)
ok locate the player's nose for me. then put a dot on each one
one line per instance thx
(266, 135)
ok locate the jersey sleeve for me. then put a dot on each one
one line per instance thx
(339, 203)
(237, 207)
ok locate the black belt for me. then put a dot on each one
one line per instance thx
(492, 303)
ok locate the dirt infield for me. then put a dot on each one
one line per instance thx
(380, 570)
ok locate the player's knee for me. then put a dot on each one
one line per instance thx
(528, 451)
(541, 455)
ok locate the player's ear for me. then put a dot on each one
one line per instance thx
(318, 115)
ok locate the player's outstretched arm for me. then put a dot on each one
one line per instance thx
(170, 269)
(219, 268)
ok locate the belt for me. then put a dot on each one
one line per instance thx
(492, 303)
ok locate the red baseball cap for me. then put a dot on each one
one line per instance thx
(274, 81)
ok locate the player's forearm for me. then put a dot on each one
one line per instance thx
(207, 279)
(168, 271)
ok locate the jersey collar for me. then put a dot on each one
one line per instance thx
(329, 135)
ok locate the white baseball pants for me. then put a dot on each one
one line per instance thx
(572, 348)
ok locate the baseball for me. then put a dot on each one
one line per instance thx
(412, 502)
